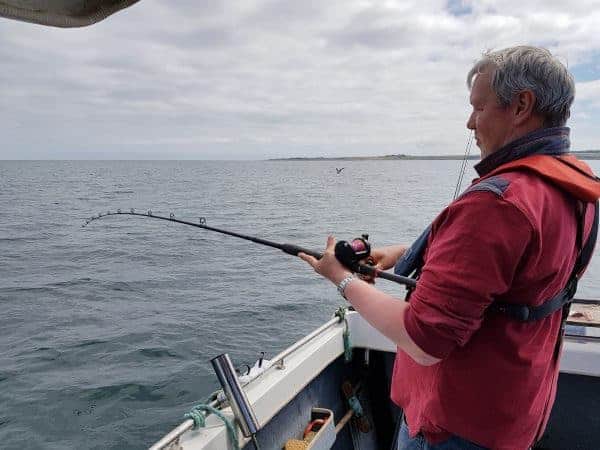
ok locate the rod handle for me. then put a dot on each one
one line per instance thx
(292, 249)
(406, 281)
(363, 269)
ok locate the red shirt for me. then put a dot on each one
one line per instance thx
(496, 383)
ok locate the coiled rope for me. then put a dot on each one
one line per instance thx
(198, 415)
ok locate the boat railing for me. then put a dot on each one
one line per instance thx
(277, 362)
(583, 314)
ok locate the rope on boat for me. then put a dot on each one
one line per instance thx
(199, 412)
(198, 415)
(341, 313)
(355, 406)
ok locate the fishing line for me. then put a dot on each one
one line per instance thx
(463, 166)
(348, 253)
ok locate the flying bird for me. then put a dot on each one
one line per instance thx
(339, 170)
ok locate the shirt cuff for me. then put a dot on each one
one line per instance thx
(425, 336)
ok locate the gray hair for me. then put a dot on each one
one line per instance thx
(521, 68)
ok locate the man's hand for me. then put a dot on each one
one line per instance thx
(386, 257)
(383, 258)
(328, 266)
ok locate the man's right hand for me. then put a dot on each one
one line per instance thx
(383, 258)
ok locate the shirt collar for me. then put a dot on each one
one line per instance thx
(545, 141)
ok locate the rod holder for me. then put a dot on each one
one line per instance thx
(242, 410)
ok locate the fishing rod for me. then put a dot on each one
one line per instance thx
(348, 253)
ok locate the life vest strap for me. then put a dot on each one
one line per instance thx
(526, 313)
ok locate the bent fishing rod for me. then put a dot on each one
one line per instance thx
(348, 253)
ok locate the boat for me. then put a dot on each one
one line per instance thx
(330, 389)
(62, 13)
(336, 380)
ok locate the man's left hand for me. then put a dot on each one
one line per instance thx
(328, 266)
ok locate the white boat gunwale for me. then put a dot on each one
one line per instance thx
(300, 363)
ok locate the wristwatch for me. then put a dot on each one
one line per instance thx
(344, 283)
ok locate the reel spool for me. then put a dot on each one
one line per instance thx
(353, 252)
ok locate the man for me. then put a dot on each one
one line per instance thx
(478, 343)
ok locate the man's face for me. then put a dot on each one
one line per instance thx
(491, 122)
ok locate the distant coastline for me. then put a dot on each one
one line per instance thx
(584, 154)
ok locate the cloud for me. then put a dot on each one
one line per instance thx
(260, 79)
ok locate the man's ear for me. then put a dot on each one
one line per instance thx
(524, 104)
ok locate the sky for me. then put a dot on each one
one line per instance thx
(253, 79)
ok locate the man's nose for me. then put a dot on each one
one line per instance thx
(471, 122)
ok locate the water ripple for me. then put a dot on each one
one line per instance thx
(159, 353)
(109, 330)
(126, 391)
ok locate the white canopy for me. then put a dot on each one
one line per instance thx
(62, 13)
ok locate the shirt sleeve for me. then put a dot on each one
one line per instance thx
(473, 253)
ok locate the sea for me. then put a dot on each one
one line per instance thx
(107, 331)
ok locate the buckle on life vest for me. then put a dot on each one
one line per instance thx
(518, 312)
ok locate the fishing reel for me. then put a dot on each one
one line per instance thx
(353, 252)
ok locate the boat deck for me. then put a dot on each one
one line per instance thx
(585, 314)
(573, 424)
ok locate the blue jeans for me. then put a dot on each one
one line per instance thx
(403, 441)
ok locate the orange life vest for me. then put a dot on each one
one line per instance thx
(567, 172)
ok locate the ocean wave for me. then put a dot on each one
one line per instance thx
(69, 283)
(16, 290)
(124, 286)
(88, 343)
(48, 287)
(126, 391)
(47, 354)
(21, 239)
(157, 352)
